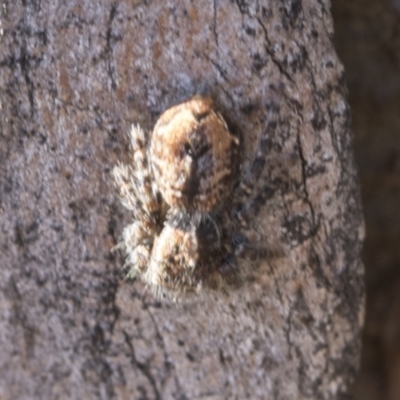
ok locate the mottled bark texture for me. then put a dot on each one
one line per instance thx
(73, 76)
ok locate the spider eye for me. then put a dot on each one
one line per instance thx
(238, 239)
(187, 149)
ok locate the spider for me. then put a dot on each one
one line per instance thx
(190, 199)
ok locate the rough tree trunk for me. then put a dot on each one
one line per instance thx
(73, 76)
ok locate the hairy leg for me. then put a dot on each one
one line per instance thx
(247, 203)
(135, 183)
(139, 196)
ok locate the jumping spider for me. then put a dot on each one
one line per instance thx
(189, 199)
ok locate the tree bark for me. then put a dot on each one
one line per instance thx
(73, 77)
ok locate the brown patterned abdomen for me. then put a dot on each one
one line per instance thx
(194, 156)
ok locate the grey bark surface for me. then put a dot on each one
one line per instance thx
(73, 77)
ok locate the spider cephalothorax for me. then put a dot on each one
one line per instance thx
(186, 193)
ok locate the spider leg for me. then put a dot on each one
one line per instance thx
(146, 191)
(137, 191)
(248, 205)
(139, 196)
(251, 177)
(137, 243)
(242, 212)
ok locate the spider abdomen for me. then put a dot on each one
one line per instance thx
(194, 156)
